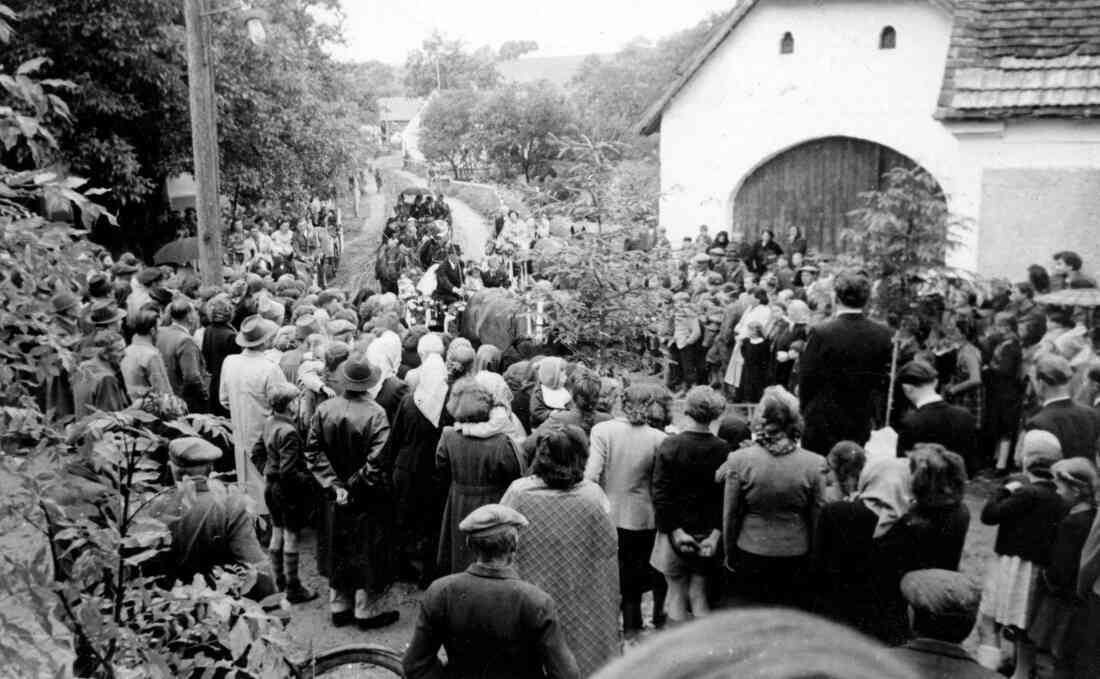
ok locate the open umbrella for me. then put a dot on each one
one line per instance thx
(179, 251)
(1089, 297)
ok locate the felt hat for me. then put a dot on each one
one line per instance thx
(306, 325)
(105, 313)
(255, 330)
(809, 268)
(491, 519)
(99, 286)
(916, 373)
(63, 301)
(716, 251)
(150, 275)
(340, 326)
(941, 592)
(192, 450)
(701, 258)
(359, 375)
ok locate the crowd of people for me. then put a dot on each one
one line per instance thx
(309, 246)
(537, 502)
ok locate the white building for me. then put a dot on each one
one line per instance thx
(793, 107)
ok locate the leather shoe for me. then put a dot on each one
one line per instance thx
(381, 620)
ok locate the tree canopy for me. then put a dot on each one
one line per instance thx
(288, 116)
(446, 64)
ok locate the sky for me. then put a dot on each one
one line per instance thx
(387, 30)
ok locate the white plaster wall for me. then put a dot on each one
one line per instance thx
(749, 102)
(1038, 229)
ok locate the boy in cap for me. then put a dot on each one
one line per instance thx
(943, 606)
(288, 486)
(1077, 427)
(491, 623)
(209, 522)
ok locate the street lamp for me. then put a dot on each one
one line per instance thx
(204, 124)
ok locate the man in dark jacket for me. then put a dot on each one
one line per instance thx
(209, 521)
(844, 372)
(448, 277)
(1076, 426)
(492, 624)
(933, 420)
(182, 358)
(945, 607)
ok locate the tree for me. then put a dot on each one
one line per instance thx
(447, 127)
(605, 300)
(514, 49)
(75, 599)
(899, 233)
(288, 122)
(611, 93)
(517, 124)
(447, 65)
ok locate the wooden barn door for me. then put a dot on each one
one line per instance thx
(813, 186)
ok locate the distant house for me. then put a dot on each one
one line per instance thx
(394, 114)
(793, 107)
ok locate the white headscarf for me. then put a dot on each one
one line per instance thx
(384, 353)
(430, 394)
(884, 489)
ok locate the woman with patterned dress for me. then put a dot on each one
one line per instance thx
(570, 549)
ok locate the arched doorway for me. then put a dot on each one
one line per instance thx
(813, 186)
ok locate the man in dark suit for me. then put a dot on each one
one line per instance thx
(945, 607)
(933, 420)
(1077, 427)
(844, 372)
(448, 277)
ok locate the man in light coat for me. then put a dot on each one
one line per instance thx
(247, 382)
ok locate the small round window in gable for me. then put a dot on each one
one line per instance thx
(889, 39)
(786, 45)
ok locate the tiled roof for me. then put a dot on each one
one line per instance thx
(399, 109)
(1023, 58)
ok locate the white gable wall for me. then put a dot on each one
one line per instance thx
(749, 102)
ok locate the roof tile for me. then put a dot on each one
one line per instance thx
(1023, 58)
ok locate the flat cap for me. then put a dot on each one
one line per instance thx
(1053, 370)
(191, 450)
(941, 592)
(701, 258)
(490, 519)
(917, 372)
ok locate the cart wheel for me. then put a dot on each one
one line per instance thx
(361, 661)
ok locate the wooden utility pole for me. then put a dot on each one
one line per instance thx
(204, 140)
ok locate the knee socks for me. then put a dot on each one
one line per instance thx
(292, 578)
(277, 566)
